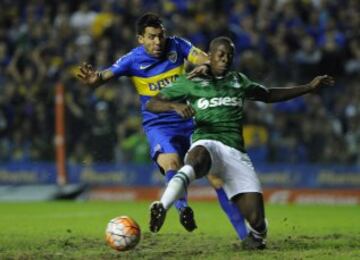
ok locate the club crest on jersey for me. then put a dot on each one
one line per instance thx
(237, 85)
(172, 56)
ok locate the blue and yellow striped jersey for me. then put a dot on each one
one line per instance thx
(150, 74)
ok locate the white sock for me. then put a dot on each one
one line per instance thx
(177, 186)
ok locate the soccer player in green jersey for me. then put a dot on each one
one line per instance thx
(217, 101)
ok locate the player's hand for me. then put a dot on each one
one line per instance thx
(87, 74)
(321, 80)
(201, 70)
(184, 110)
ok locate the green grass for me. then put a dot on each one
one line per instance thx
(75, 230)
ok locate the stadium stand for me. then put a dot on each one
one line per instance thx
(42, 42)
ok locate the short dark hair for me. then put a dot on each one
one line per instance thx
(221, 40)
(148, 20)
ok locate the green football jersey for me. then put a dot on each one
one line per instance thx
(219, 105)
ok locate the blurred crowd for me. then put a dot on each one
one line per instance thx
(278, 43)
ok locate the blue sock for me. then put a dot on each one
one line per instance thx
(233, 213)
(182, 202)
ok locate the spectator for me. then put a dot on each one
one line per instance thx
(307, 59)
(279, 41)
(102, 137)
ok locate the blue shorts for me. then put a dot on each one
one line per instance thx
(169, 139)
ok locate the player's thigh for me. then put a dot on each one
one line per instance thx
(211, 147)
(239, 175)
(169, 161)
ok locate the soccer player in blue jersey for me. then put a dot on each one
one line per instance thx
(158, 61)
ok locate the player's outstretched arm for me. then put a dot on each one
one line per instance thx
(91, 77)
(286, 93)
(160, 103)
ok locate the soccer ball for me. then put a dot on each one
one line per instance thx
(122, 233)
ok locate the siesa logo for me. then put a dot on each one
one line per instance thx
(204, 103)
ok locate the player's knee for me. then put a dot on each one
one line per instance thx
(199, 158)
(172, 164)
(169, 162)
(215, 181)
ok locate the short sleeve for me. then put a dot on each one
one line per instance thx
(252, 87)
(177, 90)
(122, 66)
(189, 51)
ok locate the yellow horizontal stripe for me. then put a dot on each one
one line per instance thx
(152, 85)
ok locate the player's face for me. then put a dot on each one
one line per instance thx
(220, 59)
(153, 40)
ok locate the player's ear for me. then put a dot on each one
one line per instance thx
(140, 39)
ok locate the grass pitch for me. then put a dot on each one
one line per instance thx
(75, 230)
